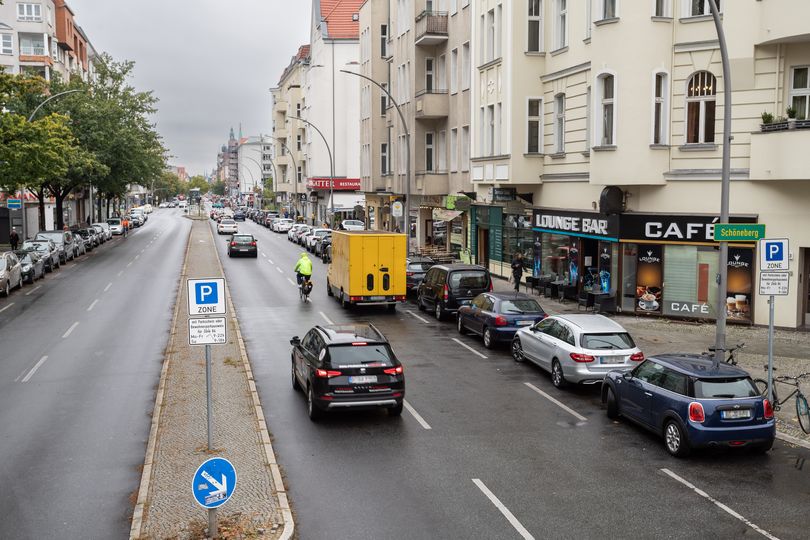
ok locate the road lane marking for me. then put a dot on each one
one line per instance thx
(279, 269)
(130, 263)
(7, 306)
(107, 288)
(418, 317)
(32, 291)
(264, 254)
(468, 347)
(327, 319)
(271, 262)
(93, 305)
(292, 282)
(143, 250)
(70, 330)
(720, 505)
(563, 406)
(416, 415)
(137, 257)
(120, 273)
(34, 369)
(526, 535)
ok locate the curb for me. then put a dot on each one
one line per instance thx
(146, 476)
(269, 453)
(792, 440)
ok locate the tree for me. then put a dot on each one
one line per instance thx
(82, 168)
(218, 188)
(198, 182)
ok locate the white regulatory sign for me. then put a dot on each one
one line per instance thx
(206, 296)
(774, 255)
(774, 283)
(207, 331)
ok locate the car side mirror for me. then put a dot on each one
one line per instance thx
(295, 341)
(627, 375)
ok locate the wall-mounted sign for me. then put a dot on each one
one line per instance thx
(673, 228)
(577, 223)
(341, 184)
(503, 194)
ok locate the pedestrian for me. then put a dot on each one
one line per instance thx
(13, 238)
(517, 270)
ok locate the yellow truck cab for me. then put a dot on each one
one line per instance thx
(367, 268)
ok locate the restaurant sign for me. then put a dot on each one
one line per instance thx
(674, 227)
(577, 223)
(341, 184)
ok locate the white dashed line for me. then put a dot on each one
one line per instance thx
(416, 415)
(504, 510)
(137, 257)
(70, 330)
(468, 347)
(143, 250)
(292, 282)
(32, 291)
(93, 305)
(720, 505)
(563, 406)
(34, 369)
(130, 263)
(327, 319)
(279, 270)
(418, 317)
(271, 262)
(107, 288)
(8, 306)
(120, 273)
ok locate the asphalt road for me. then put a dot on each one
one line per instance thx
(489, 454)
(80, 359)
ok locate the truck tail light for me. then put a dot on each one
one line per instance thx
(637, 357)
(327, 374)
(766, 404)
(445, 293)
(696, 413)
(500, 320)
(581, 358)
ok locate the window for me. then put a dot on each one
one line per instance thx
(465, 148)
(453, 7)
(428, 151)
(498, 128)
(491, 130)
(429, 75)
(298, 142)
(402, 151)
(800, 92)
(441, 73)
(384, 40)
(607, 125)
(32, 45)
(535, 26)
(588, 119)
(454, 149)
(383, 158)
(660, 109)
(533, 126)
(441, 151)
(6, 44)
(29, 12)
(298, 110)
(490, 35)
(700, 104)
(454, 71)
(561, 24)
(465, 66)
(701, 7)
(588, 18)
(383, 100)
(559, 123)
(608, 9)
(661, 8)
(300, 175)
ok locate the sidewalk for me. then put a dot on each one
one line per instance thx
(655, 335)
(177, 444)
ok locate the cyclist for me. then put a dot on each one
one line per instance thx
(303, 268)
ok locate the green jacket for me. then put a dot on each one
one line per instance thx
(304, 266)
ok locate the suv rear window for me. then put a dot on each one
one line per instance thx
(347, 356)
(244, 239)
(741, 387)
(419, 266)
(610, 341)
(469, 279)
(520, 306)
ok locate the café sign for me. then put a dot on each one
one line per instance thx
(673, 228)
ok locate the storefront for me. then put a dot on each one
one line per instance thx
(669, 265)
(345, 197)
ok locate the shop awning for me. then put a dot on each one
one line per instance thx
(440, 214)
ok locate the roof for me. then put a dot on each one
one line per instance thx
(593, 323)
(351, 333)
(338, 16)
(698, 365)
(302, 56)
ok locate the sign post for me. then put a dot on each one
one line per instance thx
(774, 280)
(212, 486)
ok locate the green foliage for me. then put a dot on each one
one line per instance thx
(218, 188)
(791, 112)
(198, 182)
(767, 118)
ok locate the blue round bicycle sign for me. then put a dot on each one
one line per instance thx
(214, 482)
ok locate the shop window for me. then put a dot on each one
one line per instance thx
(800, 92)
(701, 96)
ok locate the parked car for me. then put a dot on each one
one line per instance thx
(352, 225)
(47, 250)
(227, 226)
(320, 243)
(327, 253)
(65, 243)
(242, 245)
(163, 205)
(10, 273)
(103, 230)
(33, 265)
(282, 225)
(116, 226)
(79, 245)
(269, 218)
(446, 287)
(347, 367)
(300, 233)
(294, 230)
(310, 238)
(415, 270)
(497, 316)
(577, 348)
(89, 238)
(692, 404)
(239, 216)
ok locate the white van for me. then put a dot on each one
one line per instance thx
(182, 204)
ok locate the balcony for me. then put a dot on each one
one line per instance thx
(281, 106)
(280, 133)
(432, 104)
(780, 155)
(784, 21)
(431, 28)
(432, 182)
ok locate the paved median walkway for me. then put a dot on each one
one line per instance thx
(165, 506)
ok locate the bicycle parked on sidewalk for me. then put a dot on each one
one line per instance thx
(731, 359)
(802, 411)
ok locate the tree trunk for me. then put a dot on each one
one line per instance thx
(39, 192)
(60, 219)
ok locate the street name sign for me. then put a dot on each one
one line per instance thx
(214, 482)
(207, 331)
(14, 204)
(739, 232)
(206, 296)
(774, 283)
(774, 255)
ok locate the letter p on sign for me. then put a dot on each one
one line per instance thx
(206, 293)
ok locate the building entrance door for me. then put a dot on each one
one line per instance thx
(804, 279)
(483, 247)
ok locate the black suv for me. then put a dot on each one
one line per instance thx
(446, 287)
(347, 367)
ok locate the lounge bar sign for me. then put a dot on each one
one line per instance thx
(674, 227)
(577, 223)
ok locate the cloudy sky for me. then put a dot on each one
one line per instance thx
(210, 62)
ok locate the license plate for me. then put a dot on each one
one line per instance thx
(376, 298)
(243, 249)
(611, 359)
(463, 302)
(524, 323)
(735, 414)
(363, 379)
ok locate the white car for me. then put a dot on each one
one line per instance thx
(116, 226)
(106, 228)
(182, 204)
(291, 234)
(577, 348)
(227, 226)
(282, 225)
(163, 205)
(353, 225)
(310, 239)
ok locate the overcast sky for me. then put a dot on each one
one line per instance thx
(210, 62)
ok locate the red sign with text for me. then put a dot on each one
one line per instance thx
(341, 184)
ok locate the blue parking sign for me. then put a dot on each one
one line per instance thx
(774, 255)
(206, 292)
(206, 296)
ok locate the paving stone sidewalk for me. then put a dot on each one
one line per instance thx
(169, 509)
(658, 335)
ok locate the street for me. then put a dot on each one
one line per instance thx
(487, 448)
(81, 357)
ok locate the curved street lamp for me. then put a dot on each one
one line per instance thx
(295, 168)
(331, 163)
(261, 169)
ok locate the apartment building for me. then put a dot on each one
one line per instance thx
(255, 166)
(597, 144)
(420, 51)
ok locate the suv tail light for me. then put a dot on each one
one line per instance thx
(445, 293)
(253, 243)
(582, 358)
(327, 374)
(637, 357)
(500, 320)
(233, 244)
(766, 404)
(696, 413)
(409, 274)
(393, 371)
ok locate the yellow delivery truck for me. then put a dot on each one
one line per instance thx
(367, 268)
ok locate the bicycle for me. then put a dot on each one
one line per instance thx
(304, 288)
(731, 359)
(802, 410)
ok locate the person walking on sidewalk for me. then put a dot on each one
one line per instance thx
(13, 239)
(517, 270)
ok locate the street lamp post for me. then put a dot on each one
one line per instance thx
(407, 217)
(331, 163)
(295, 172)
(261, 170)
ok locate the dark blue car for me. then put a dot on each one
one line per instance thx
(497, 316)
(692, 404)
